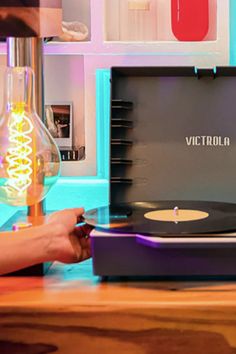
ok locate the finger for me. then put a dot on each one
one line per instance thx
(78, 213)
(83, 230)
(81, 253)
(76, 247)
(81, 246)
(85, 243)
(85, 254)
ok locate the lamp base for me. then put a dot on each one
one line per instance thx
(21, 217)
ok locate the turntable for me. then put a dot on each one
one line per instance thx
(172, 158)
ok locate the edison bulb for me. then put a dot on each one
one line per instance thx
(29, 157)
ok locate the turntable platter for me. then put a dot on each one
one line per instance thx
(165, 218)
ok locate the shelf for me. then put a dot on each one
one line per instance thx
(120, 161)
(121, 142)
(204, 49)
(121, 180)
(152, 20)
(76, 19)
(214, 49)
(127, 125)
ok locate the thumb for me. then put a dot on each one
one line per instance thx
(78, 213)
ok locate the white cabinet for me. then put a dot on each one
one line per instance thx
(119, 34)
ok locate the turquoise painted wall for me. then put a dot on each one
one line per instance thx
(233, 32)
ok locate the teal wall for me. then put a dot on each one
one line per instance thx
(103, 122)
(233, 32)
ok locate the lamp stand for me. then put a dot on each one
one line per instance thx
(28, 51)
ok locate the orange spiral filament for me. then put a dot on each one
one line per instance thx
(19, 168)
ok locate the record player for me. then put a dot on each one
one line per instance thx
(172, 152)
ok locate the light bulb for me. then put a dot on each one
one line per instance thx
(29, 157)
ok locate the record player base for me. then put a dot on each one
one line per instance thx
(120, 255)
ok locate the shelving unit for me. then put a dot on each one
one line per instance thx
(76, 62)
(147, 21)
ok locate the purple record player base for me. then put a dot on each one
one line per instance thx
(119, 255)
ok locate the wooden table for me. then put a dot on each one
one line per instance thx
(70, 311)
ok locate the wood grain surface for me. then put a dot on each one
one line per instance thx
(71, 311)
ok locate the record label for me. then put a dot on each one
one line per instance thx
(176, 215)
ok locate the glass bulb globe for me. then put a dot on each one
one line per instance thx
(29, 157)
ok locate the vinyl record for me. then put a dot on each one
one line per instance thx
(165, 218)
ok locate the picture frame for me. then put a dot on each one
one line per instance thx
(59, 122)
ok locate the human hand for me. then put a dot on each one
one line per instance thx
(67, 218)
(68, 242)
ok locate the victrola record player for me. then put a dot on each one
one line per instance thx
(172, 174)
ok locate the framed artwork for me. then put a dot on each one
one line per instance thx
(59, 121)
